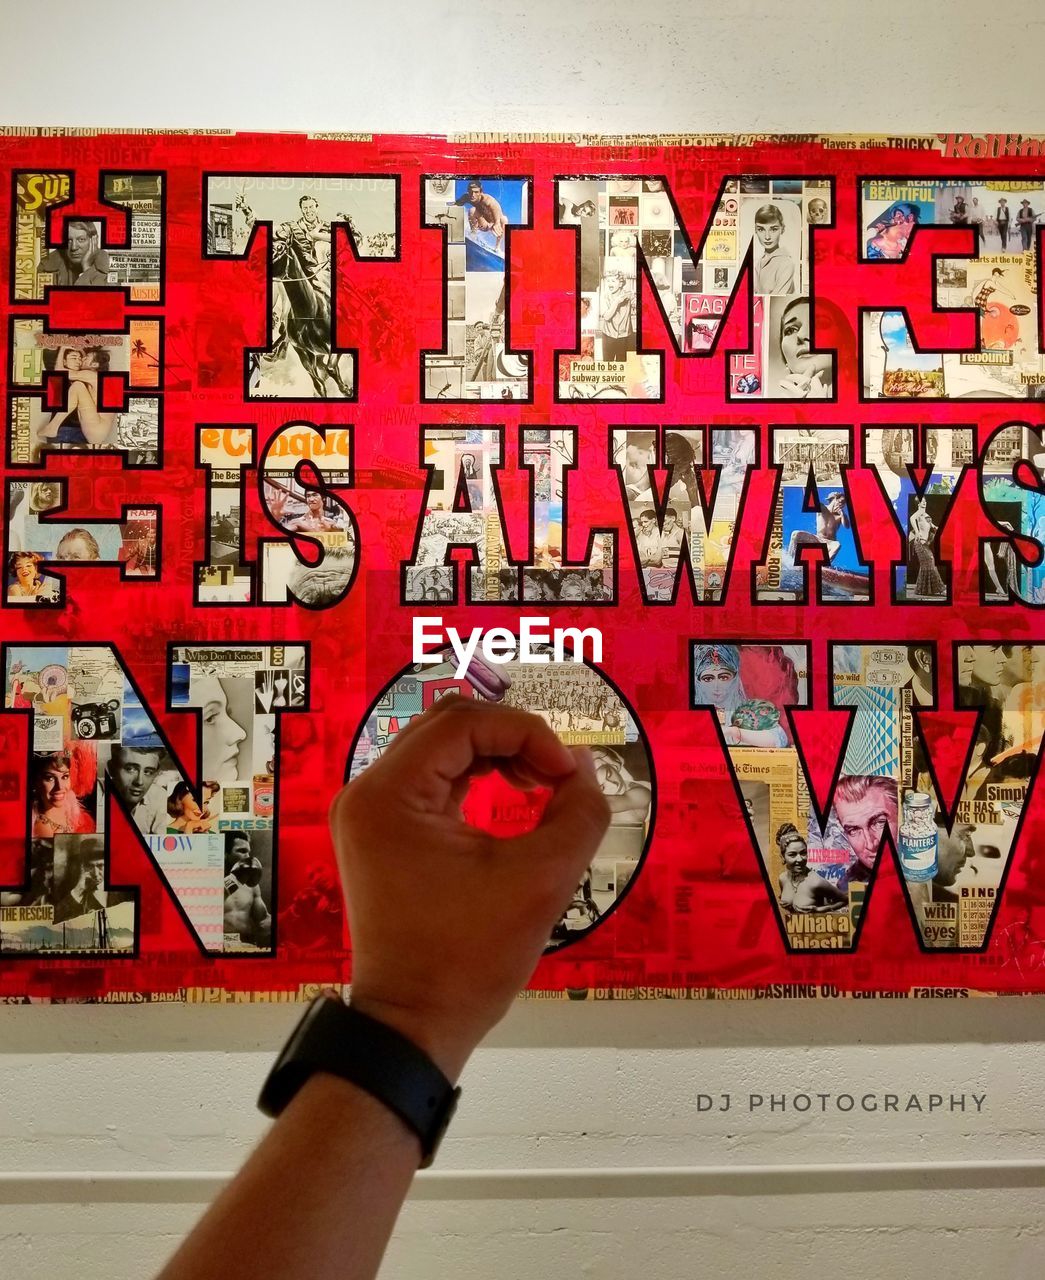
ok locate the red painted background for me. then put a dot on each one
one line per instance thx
(698, 917)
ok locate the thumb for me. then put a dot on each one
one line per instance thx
(574, 822)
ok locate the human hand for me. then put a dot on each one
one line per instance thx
(817, 388)
(801, 386)
(446, 921)
(276, 501)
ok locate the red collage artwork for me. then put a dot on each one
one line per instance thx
(719, 453)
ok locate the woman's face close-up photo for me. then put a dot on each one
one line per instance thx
(608, 772)
(52, 786)
(572, 588)
(714, 684)
(795, 337)
(190, 809)
(25, 570)
(794, 853)
(769, 234)
(221, 734)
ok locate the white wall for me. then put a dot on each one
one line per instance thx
(143, 1094)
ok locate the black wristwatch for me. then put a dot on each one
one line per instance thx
(336, 1038)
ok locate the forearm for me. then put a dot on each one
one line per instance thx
(319, 1197)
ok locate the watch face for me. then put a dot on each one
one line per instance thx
(338, 1039)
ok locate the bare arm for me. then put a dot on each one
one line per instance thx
(320, 1195)
(828, 896)
(258, 911)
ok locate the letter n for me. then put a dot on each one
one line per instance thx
(211, 833)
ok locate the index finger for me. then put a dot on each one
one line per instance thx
(442, 748)
(439, 705)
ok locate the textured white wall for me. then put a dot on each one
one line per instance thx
(140, 1094)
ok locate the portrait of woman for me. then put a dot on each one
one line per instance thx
(57, 781)
(573, 586)
(892, 228)
(775, 269)
(801, 889)
(617, 315)
(717, 683)
(622, 244)
(184, 814)
(536, 585)
(28, 583)
(922, 532)
(81, 410)
(222, 735)
(804, 375)
(628, 796)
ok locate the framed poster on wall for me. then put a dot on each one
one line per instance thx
(723, 454)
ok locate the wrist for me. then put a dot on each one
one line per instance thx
(353, 1046)
(448, 1047)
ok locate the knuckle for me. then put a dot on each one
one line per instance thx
(552, 897)
(336, 804)
(344, 805)
(596, 806)
(459, 707)
(532, 717)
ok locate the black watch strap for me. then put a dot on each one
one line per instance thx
(338, 1039)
